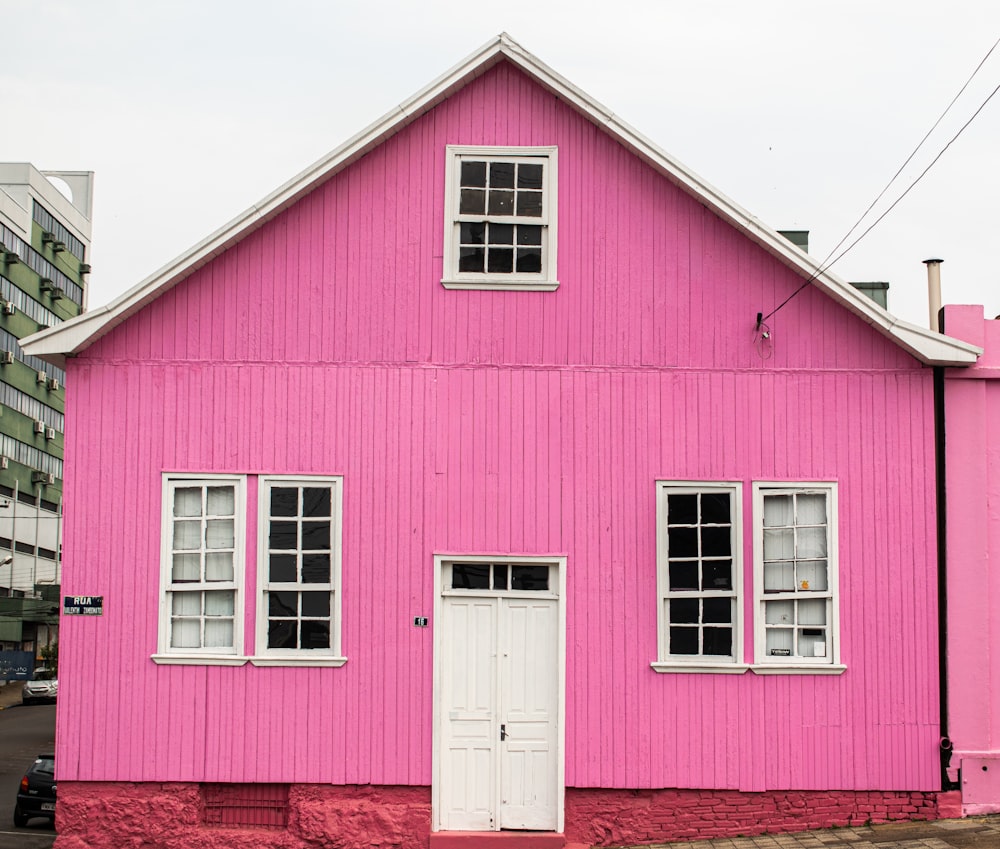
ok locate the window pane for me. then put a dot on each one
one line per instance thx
(812, 576)
(683, 640)
(810, 510)
(779, 577)
(316, 604)
(284, 501)
(470, 576)
(472, 233)
(717, 575)
(529, 204)
(779, 612)
(315, 535)
(717, 610)
(474, 173)
(779, 642)
(219, 566)
(682, 509)
(529, 261)
(471, 259)
(683, 610)
(281, 634)
(529, 176)
(186, 567)
(220, 533)
(811, 542)
(284, 535)
(501, 261)
(716, 542)
(684, 575)
(187, 535)
(186, 604)
(812, 642)
(185, 633)
(501, 203)
(502, 175)
(315, 635)
(717, 641)
(501, 234)
(499, 576)
(221, 501)
(529, 578)
(218, 633)
(473, 202)
(282, 568)
(187, 501)
(282, 603)
(779, 545)
(315, 569)
(777, 510)
(219, 602)
(715, 508)
(683, 542)
(529, 234)
(812, 612)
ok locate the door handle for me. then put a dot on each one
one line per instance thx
(503, 732)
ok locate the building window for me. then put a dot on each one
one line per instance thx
(699, 576)
(500, 218)
(202, 565)
(299, 567)
(795, 572)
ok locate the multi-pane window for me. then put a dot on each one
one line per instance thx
(699, 573)
(203, 560)
(796, 573)
(500, 218)
(299, 566)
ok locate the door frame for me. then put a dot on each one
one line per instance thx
(559, 561)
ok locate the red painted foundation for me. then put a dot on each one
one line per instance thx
(95, 815)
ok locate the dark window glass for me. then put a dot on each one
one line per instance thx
(682, 509)
(281, 634)
(684, 575)
(501, 234)
(529, 204)
(715, 542)
(529, 260)
(471, 259)
(499, 577)
(717, 610)
(26, 498)
(315, 535)
(24, 548)
(315, 568)
(683, 640)
(473, 233)
(502, 175)
(284, 501)
(315, 635)
(683, 542)
(501, 203)
(316, 501)
(715, 508)
(501, 260)
(529, 577)
(282, 568)
(470, 576)
(717, 641)
(683, 610)
(529, 176)
(474, 174)
(529, 234)
(717, 575)
(315, 604)
(473, 202)
(282, 603)
(284, 535)
(51, 506)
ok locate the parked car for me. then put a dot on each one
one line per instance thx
(44, 687)
(36, 797)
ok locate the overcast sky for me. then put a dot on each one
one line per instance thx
(800, 111)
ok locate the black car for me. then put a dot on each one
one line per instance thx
(36, 797)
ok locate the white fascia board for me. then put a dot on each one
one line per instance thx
(70, 337)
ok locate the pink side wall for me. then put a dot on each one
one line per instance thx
(972, 456)
(500, 422)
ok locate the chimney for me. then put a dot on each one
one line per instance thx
(934, 291)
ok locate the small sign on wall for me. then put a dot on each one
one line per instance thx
(83, 605)
(420, 621)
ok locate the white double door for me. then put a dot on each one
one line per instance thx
(499, 737)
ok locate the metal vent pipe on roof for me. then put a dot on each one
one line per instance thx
(934, 291)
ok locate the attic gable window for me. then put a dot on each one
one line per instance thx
(500, 218)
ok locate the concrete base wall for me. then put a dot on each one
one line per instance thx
(172, 816)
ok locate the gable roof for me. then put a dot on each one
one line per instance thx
(77, 334)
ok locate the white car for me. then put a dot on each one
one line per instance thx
(44, 687)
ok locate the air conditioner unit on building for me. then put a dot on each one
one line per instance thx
(43, 477)
(53, 383)
(46, 284)
(56, 293)
(48, 236)
(85, 268)
(10, 257)
(39, 426)
(58, 247)
(41, 377)
(4, 462)
(7, 358)
(50, 433)
(9, 308)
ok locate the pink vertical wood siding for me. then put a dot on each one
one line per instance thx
(505, 422)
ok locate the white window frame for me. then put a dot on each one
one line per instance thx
(204, 656)
(331, 656)
(829, 664)
(547, 279)
(698, 663)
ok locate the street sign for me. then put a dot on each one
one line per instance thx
(83, 605)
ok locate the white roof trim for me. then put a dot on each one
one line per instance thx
(75, 335)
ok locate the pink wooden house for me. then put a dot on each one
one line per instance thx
(457, 489)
